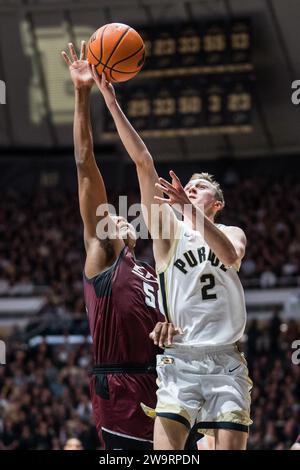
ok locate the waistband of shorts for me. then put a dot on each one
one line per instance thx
(182, 348)
(129, 368)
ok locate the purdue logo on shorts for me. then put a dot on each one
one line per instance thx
(166, 360)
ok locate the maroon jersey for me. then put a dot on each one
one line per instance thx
(122, 309)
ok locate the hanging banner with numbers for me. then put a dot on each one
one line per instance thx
(197, 79)
(206, 47)
(186, 106)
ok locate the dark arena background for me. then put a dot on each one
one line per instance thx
(216, 94)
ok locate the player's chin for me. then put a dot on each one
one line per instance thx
(130, 242)
(197, 203)
(129, 236)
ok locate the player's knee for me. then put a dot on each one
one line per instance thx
(170, 433)
(231, 440)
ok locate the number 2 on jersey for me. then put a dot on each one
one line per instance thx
(209, 283)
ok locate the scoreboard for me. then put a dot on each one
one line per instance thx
(193, 46)
(187, 106)
(197, 79)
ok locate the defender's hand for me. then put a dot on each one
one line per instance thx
(80, 70)
(105, 87)
(164, 333)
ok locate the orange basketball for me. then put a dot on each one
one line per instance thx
(117, 50)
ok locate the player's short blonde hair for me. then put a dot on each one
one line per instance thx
(210, 178)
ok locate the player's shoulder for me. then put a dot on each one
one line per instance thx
(233, 229)
(184, 228)
(146, 265)
(107, 271)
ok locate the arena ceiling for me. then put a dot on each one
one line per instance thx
(37, 114)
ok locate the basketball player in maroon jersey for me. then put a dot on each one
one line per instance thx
(120, 295)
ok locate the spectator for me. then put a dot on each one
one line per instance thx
(73, 444)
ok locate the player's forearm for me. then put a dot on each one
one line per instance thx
(134, 145)
(82, 129)
(218, 242)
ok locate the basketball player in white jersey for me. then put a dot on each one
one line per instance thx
(296, 445)
(202, 378)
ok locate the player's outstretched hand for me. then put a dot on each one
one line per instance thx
(104, 86)
(175, 192)
(163, 333)
(80, 71)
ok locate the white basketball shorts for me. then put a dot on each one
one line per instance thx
(209, 387)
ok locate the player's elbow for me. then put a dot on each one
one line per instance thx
(234, 253)
(230, 258)
(83, 156)
(145, 160)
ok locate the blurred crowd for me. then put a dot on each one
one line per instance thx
(44, 391)
(275, 371)
(269, 212)
(41, 237)
(44, 397)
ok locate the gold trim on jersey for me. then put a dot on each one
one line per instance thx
(150, 412)
(172, 408)
(165, 408)
(244, 361)
(237, 416)
(167, 296)
(172, 248)
(163, 293)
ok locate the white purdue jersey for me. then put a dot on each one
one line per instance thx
(200, 295)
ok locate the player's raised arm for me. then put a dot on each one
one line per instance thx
(91, 187)
(146, 171)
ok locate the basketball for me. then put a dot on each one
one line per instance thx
(117, 50)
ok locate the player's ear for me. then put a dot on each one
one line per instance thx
(218, 205)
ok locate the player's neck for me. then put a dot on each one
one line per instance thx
(131, 249)
(191, 223)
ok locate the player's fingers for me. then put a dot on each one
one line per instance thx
(170, 190)
(163, 335)
(156, 332)
(175, 180)
(165, 182)
(104, 82)
(95, 75)
(108, 84)
(162, 199)
(173, 175)
(173, 195)
(178, 330)
(173, 188)
(163, 188)
(152, 335)
(66, 58)
(83, 50)
(72, 51)
(171, 333)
